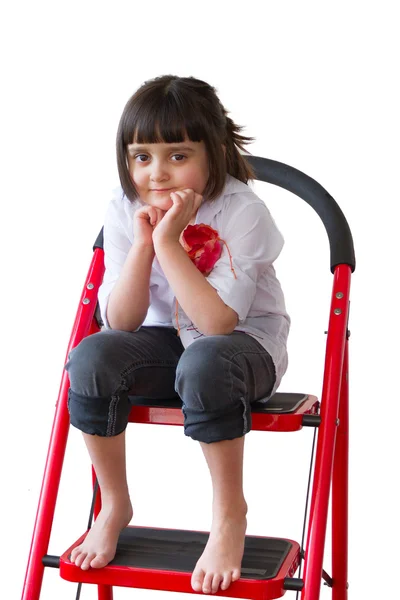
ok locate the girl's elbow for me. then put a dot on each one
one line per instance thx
(224, 326)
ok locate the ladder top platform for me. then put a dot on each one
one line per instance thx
(282, 412)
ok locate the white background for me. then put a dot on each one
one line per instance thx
(316, 84)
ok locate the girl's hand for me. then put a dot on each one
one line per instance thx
(185, 206)
(145, 220)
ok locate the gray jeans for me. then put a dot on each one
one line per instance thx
(217, 378)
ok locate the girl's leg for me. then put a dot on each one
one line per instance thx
(222, 557)
(218, 377)
(104, 369)
(108, 458)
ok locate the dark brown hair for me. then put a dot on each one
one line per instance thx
(167, 108)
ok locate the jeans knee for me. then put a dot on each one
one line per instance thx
(203, 373)
(88, 363)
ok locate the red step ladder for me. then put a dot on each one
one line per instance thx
(163, 559)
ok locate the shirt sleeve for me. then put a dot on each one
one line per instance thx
(254, 243)
(118, 238)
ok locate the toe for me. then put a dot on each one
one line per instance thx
(79, 558)
(86, 563)
(207, 583)
(197, 579)
(236, 574)
(75, 552)
(99, 561)
(215, 583)
(226, 582)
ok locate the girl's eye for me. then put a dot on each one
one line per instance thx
(141, 157)
(178, 157)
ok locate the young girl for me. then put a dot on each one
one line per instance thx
(190, 311)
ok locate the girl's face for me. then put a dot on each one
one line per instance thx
(159, 169)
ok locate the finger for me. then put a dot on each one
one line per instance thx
(183, 194)
(198, 198)
(160, 214)
(152, 212)
(143, 212)
(177, 199)
(189, 194)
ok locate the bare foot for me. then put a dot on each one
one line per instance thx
(99, 546)
(221, 560)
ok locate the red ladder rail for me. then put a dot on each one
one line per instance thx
(331, 393)
(59, 435)
(340, 490)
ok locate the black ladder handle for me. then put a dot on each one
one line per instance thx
(309, 190)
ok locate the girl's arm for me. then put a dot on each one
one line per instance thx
(195, 295)
(129, 300)
(218, 303)
(124, 295)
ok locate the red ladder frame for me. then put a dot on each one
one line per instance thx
(331, 466)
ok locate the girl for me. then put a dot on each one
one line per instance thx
(191, 307)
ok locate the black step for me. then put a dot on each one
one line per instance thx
(164, 559)
(179, 550)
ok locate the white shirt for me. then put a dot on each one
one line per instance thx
(244, 222)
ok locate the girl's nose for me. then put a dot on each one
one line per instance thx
(159, 171)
